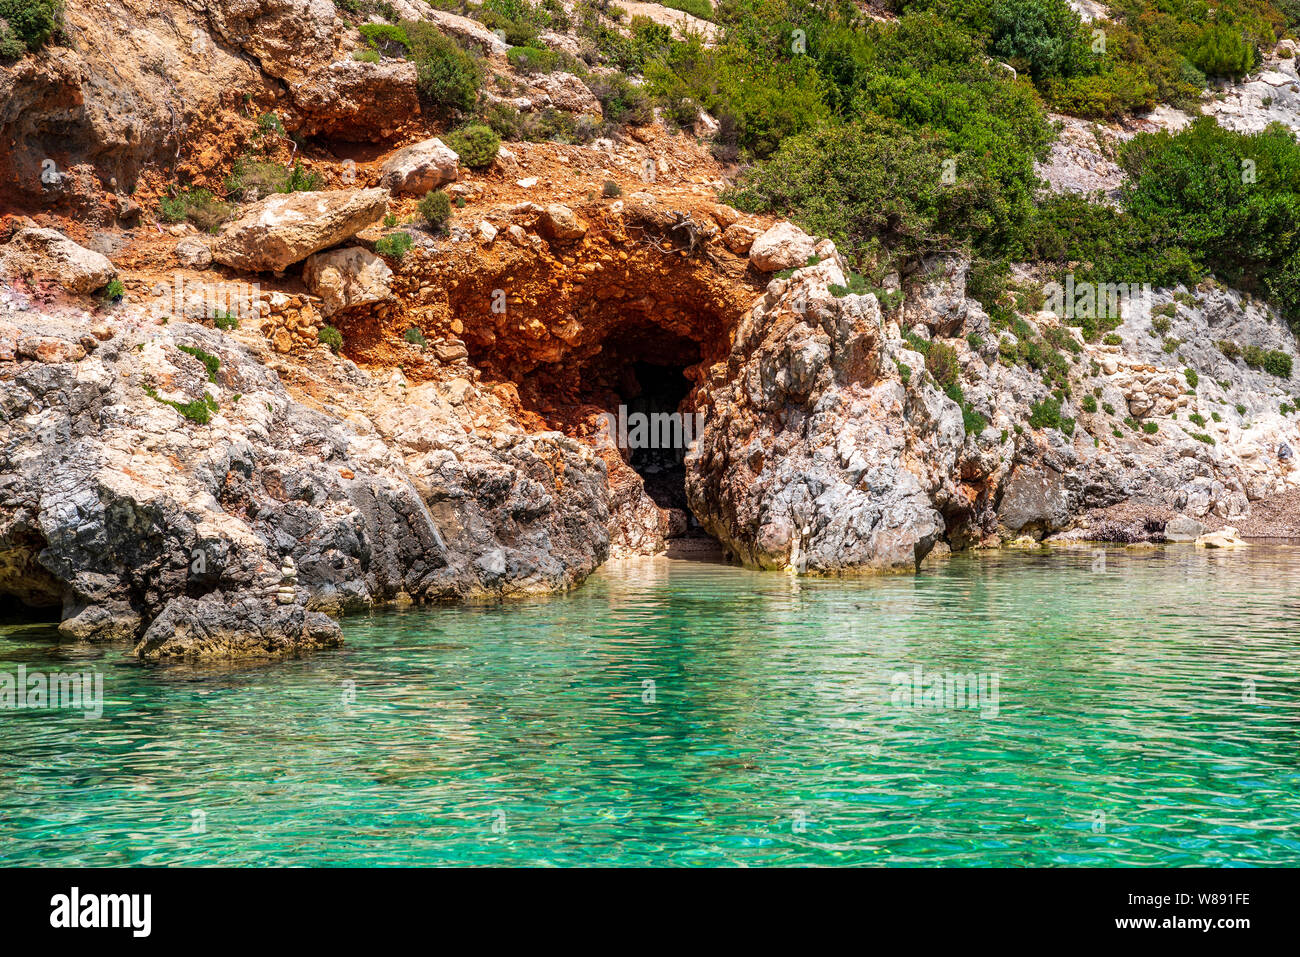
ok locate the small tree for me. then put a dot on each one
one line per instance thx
(435, 208)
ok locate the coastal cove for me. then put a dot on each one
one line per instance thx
(676, 712)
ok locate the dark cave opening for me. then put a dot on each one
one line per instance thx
(657, 453)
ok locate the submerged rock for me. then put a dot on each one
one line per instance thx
(212, 628)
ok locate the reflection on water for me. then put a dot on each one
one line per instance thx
(677, 712)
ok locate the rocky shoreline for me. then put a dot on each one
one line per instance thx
(381, 408)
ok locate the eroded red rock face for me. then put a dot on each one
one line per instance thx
(575, 328)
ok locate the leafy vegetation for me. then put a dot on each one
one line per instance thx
(197, 206)
(198, 411)
(394, 245)
(447, 76)
(27, 25)
(435, 207)
(210, 362)
(475, 144)
(331, 337)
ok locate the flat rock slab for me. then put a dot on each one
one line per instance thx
(288, 227)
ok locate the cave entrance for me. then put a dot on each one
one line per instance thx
(659, 402)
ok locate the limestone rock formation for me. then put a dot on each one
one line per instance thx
(812, 459)
(348, 277)
(784, 246)
(214, 627)
(288, 227)
(420, 167)
(357, 101)
(135, 476)
(47, 254)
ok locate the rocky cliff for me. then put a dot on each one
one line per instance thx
(218, 437)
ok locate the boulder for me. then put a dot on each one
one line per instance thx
(288, 227)
(564, 91)
(37, 253)
(1033, 502)
(783, 246)
(343, 278)
(739, 238)
(213, 628)
(193, 253)
(559, 223)
(1180, 528)
(420, 167)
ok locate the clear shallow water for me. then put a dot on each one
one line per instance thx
(524, 733)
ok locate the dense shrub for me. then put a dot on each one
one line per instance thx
(331, 337)
(621, 100)
(435, 207)
(27, 25)
(386, 38)
(394, 245)
(1042, 37)
(529, 60)
(198, 206)
(941, 361)
(1190, 190)
(696, 8)
(1222, 50)
(447, 77)
(476, 145)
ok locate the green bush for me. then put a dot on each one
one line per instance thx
(253, 175)
(476, 145)
(225, 321)
(1222, 50)
(1193, 380)
(941, 361)
(210, 362)
(1047, 415)
(611, 190)
(198, 411)
(331, 337)
(435, 207)
(366, 56)
(447, 77)
(1089, 403)
(386, 38)
(1042, 37)
(197, 206)
(530, 60)
(620, 99)
(415, 337)
(394, 245)
(696, 8)
(27, 25)
(114, 291)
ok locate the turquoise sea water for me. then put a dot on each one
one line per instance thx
(675, 712)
